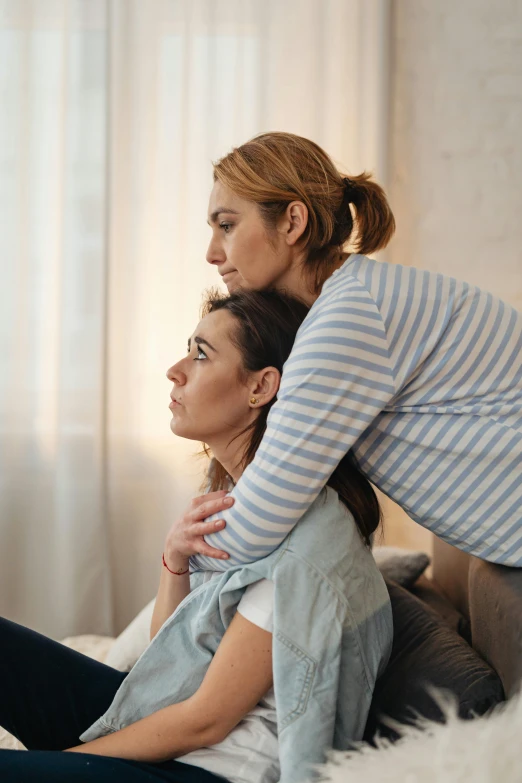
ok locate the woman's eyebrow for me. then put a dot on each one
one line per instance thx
(201, 341)
(220, 210)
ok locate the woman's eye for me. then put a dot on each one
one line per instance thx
(200, 354)
(226, 227)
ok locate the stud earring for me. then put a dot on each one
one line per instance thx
(253, 400)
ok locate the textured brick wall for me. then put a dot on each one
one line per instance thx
(455, 176)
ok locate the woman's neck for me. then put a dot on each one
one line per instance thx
(231, 454)
(297, 282)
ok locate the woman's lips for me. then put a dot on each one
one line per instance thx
(174, 404)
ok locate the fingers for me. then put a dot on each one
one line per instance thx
(209, 551)
(186, 534)
(212, 507)
(220, 493)
(205, 530)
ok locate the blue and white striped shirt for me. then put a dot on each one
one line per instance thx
(421, 375)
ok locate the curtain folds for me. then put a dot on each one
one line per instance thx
(111, 112)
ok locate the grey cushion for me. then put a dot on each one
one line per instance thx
(403, 566)
(431, 594)
(426, 652)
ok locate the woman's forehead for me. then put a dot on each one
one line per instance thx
(224, 200)
(216, 327)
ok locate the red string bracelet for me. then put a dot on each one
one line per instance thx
(176, 573)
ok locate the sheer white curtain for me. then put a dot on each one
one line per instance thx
(111, 112)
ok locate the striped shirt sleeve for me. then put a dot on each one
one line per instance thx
(338, 378)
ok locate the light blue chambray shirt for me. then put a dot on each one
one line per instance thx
(332, 637)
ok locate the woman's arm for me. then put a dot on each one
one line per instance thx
(173, 588)
(239, 675)
(339, 377)
(185, 537)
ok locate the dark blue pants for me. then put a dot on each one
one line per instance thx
(49, 695)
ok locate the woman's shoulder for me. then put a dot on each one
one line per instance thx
(328, 542)
(401, 297)
(327, 534)
(376, 275)
(386, 280)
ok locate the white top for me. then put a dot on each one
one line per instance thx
(421, 375)
(250, 753)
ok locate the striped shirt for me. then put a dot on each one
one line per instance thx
(421, 375)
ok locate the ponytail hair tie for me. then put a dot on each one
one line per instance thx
(349, 190)
(343, 217)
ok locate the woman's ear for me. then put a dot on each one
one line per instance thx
(293, 223)
(264, 386)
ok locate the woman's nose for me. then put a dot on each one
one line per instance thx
(176, 375)
(215, 254)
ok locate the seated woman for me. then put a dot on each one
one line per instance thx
(251, 674)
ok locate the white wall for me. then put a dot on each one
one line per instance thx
(456, 140)
(455, 176)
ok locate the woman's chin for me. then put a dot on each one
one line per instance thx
(232, 287)
(183, 432)
(236, 283)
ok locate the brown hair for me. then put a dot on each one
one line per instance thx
(266, 327)
(274, 169)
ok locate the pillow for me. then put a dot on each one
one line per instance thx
(426, 653)
(429, 592)
(400, 565)
(93, 645)
(131, 642)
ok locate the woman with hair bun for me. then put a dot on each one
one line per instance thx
(419, 374)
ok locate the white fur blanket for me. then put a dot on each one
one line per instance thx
(484, 750)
